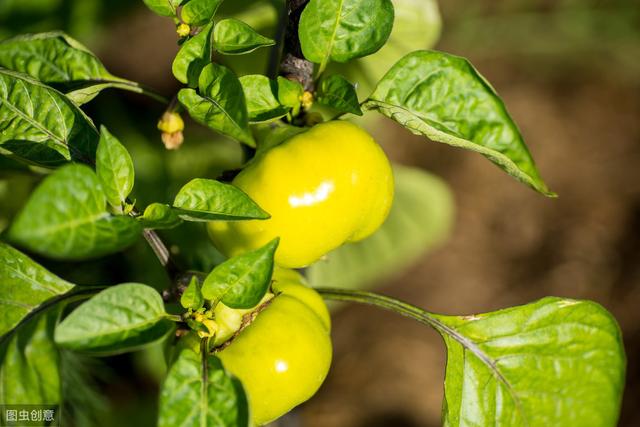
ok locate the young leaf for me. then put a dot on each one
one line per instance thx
(114, 168)
(199, 12)
(159, 216)
(242, 281)
(40, 125)
(336, 92)
(29, 368)
(430, 93)
(340, 30)
(192, 296)
(24, 286)
(260, 93)
(421, 218)
(290, 94)
(119, 319)
(193, 56)
(209, 200)
(220, 103)
(66, 218)
(58, 60)
(234, 37)
(554, 362)
(163, 7)
(199, 392)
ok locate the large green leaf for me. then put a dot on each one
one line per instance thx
(193, 56)
(219, 103)
(340, 30)
(443, 97)
(66, 218)
(29, 368)
(24, 285)
(200, 393)
(555, 362)
(421, 218)
(207, 200)
(199, 12)
(234, 37)
(58, 60)
(114, 168)
(40, 125)
(118, 319)
(242, 281)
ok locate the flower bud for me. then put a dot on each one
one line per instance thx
(171, 122)
(183, 30)
(172, 141)
(306, 100)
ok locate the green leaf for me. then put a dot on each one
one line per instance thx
(51, 57)
(554, 362)
(66, 218)
(163, 7)
(242, 281)
(29, 362)
(340, 30)
(421, 218)
(337, 92)
(234, 37)
(443, 97)
(58, 60)
(24, 285)
(208, 200)
(220, 103)
(118, 319)
(200, 393)
(193, 56)
(159, 216)
(40, 125)
(114, 168)
(192, 296)
(273, 134)
(260, 93)
(290, 94)
(416, 26)
(199, 12)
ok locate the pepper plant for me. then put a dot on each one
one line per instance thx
(249, 340)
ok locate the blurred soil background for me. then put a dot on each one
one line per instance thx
(569, 72)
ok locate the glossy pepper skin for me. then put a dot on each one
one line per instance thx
(326, 186)
(284, 355)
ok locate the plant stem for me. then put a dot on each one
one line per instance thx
(387, 303)
(151, 93)
(162, 253)
(273, 65)
(175, 318)
(133, 87)
(293, 65)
